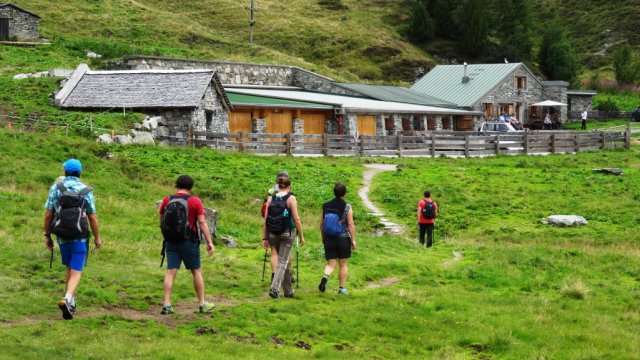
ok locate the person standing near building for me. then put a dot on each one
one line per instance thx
(279, 220)
(181, 216)
(584, 118)
(427, 213)
(71, 203)
(338, 233)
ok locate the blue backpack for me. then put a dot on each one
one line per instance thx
(333, 222)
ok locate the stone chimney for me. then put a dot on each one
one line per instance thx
(465, 78)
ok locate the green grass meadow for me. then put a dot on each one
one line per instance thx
(522, 290)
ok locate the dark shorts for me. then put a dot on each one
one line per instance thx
(186, 251)
(74, 254)
(337, 248)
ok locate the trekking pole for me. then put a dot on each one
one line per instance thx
(297, 263)
(264, 264)
(51, 260)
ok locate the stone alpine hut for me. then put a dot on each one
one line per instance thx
(18, 23)
(182, 99)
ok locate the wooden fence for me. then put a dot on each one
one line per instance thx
(451, 144)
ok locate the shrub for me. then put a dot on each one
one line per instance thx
(608, 105)
(333, 4)
(574, 289)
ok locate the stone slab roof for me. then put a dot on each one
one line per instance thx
(20, 9)
(137, 89)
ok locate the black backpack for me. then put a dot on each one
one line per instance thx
(175, 220)
(429, 210)
(278, 216)
(70, 220)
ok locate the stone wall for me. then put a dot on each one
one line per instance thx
(579, 102)
(22, 25)
(507, 93)
(557, 91)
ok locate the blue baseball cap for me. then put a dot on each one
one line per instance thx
(72, 165)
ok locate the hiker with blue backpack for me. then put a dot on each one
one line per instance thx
(338, 237)
(181, 222)
(427, 213)
(280, 219)
(70, 212)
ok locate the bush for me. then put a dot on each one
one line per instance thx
(333, 4)
(608, 105)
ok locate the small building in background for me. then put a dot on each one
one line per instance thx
(17, 23)
(578, 100)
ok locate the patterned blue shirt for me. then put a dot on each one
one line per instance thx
(74, 184)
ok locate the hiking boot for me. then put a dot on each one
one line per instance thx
(343, 292)
(167, 310)
(273, 293)
(289, 295)
(206, 308)
(67, 309)
(323, 284)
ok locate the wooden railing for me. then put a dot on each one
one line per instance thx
(449, 143)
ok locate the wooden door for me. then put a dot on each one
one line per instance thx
(366, 124)
(314, 125)
(280, 122)
(4, 29)
(239, 121)
(464, 123)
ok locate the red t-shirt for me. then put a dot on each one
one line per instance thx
(195, 209)
(421, 205)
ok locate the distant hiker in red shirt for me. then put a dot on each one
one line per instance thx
(427, 213)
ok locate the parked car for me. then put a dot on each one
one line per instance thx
(497, 126)
(636, 114)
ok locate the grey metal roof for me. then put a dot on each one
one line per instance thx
(19, 8)
(445, 81)
(582, 92)
(140, 89)
(396, 94)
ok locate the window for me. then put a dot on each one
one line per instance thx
(521, 82)
(209, 116)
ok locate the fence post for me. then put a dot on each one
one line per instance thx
(399, 145)
(627, 137)
(603, 138)
(525, 144)
(190, 135)
(288, 138)
(552, 143)
(466, 146)
(433, 144)
(240, 141)
(361, 145)
(325, 143)
(576, 141)
(497, 144)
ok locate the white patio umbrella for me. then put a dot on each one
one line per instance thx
(549, 103)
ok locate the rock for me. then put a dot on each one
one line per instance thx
(63, 73)
(142, 138)
(123, 139)
(256, 202)
(150, 123)
(20, 76)
(159, 119)
(93, 55)
(565, 220)
(611, 171)
(164, 143)
(161, 132)
(105, 138)
(39, 74)
(211, 216)
(137, 126)
(230, 242)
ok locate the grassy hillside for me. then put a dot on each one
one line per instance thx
(521, 290)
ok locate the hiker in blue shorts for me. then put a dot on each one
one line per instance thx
(338, 236)
(70, 210)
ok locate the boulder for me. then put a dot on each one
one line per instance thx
(230, 242)
(105, 138)
(20, 76)
(123, 139)
(92, 55)
(39, 74)
(63, 73)
(150, 123)
(137, 126)
(159, 119)
(609, 171)
(565, 220)
(161, 132)
(142, 138)
(211, 216)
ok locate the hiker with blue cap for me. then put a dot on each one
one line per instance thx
(69, 213)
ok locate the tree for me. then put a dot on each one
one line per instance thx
(514, 29)
(625, 70)
(473, 20)
(421, 27)
(442, 14)
(557, 59)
